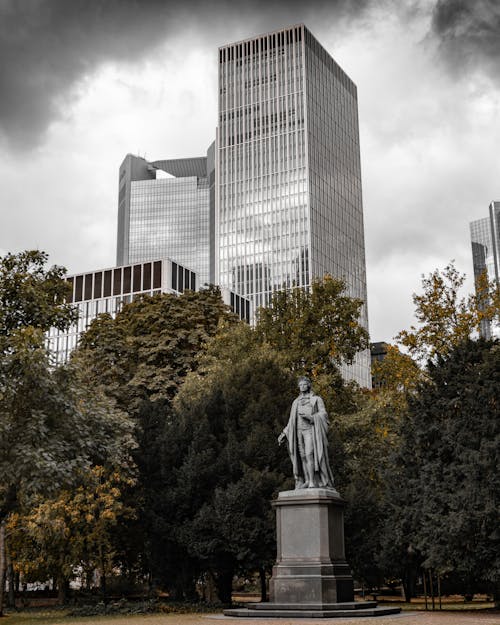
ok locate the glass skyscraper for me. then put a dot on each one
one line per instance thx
(165, 210)
(485, 241)
(289, 203)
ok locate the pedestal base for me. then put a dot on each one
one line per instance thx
(311, 577)
(310, 566)
(353, 609)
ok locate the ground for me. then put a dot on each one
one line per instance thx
(405, 618)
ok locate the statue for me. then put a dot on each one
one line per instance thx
(307, 436)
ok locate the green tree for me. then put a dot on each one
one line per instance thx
(74, 529)
(451, 448)
(52, 425)
(316, 330)
(445, 317)
(228, 416)
(365, 441)
(140, 359)
(32, 296)
(145, 353)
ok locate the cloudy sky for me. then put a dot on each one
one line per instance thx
(84, 82)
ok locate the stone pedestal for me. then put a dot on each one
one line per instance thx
(311, 567)
(311, 577)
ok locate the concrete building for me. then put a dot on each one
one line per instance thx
(485, 241)
(107, 290)
(289, 203)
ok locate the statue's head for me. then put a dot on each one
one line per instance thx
(304, 384)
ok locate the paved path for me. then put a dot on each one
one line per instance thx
(405, 618)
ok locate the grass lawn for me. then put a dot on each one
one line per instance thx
(60, 617)
(454, 613)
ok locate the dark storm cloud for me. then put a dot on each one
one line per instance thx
(469, 34)
(48, 46)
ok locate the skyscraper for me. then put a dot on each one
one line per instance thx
(165, 210)
(485, 241)
(289, 203)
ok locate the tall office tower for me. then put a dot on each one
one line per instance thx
(164, 210)
(485, 240)
(288, 171)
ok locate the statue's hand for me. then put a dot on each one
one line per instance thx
(281, 438)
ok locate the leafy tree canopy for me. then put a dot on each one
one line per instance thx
(227, 419)
(73, 530)
(446, 493)
(446, 318)
(51, 424)
(148, 349)
(316, 330)
(32, 295)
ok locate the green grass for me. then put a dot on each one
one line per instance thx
(38, 617)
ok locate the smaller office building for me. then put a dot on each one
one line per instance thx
(107, 290)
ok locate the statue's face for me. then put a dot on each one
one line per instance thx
(304, 386)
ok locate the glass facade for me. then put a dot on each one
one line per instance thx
(164, 210)
(171, 217)
(485, 241)
(288, 171)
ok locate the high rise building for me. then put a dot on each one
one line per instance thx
(485, 241)
(289, 203)
(166, 209)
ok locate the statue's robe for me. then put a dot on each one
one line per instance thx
(322, 472)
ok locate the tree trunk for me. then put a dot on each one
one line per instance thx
(103, 573)
(496, 594)
(263, 586)
(11, 597)
(410, 580)
(2, 564)
(62, 587)
(224, 583)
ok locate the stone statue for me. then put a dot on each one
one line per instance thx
(307, 436)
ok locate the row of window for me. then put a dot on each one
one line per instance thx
(129, 279)
(261, 44)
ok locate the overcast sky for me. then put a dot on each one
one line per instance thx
(84, 82)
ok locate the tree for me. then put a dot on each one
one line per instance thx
(448, 461)
(145, 353)
(32, 295)
(397, 375)
(74, 529)
(446, 319)
(316, 330)
(231, 415)
(364, 442)
(140, 359)
(52, 426)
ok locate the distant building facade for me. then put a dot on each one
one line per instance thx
(289, 201)
(485, 242)
(107, 290)
(378, 352)
(166, 209)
